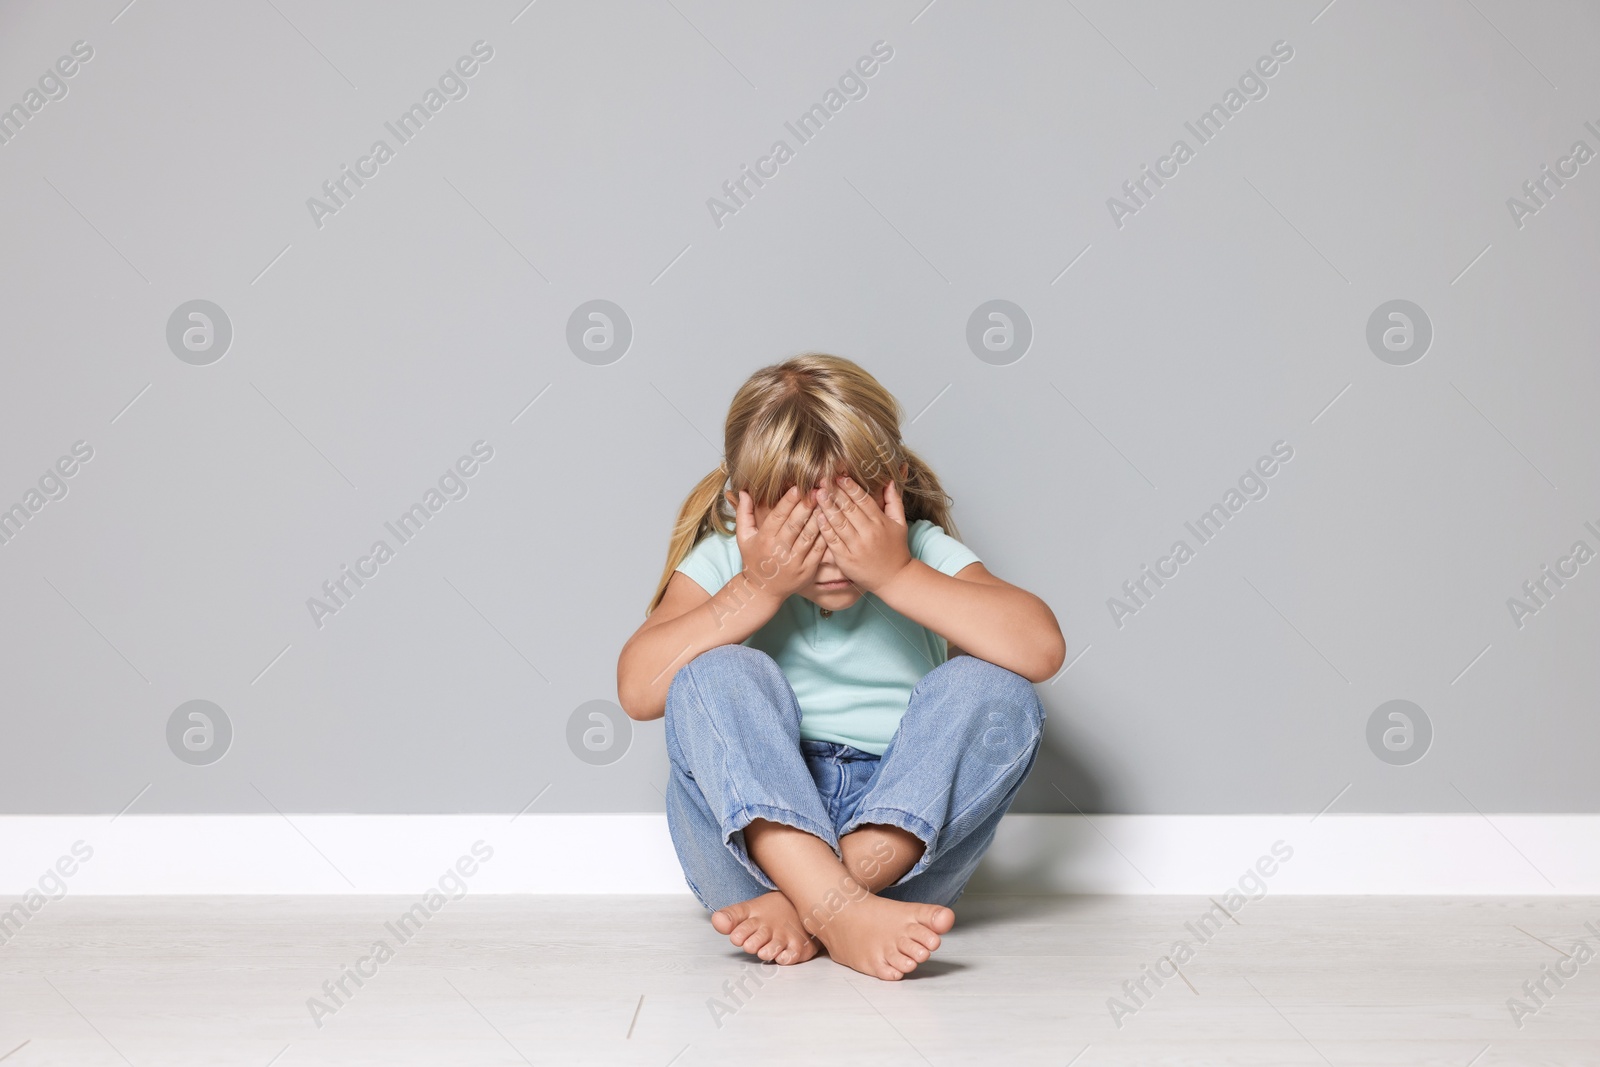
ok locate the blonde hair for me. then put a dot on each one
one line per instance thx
(795, 423)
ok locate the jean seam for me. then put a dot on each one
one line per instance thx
(750, 812)
(701, 897)
(861, 818)
(840, 780)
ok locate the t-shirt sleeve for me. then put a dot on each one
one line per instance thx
(939, 550)
(712, 563)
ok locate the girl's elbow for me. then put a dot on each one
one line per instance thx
(1054, 655)
(640, 707)
(638, 704)
(634, 698)
(1037, 676)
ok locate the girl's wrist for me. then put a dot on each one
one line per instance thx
(760, 591)
(885, 589)
(745, 603)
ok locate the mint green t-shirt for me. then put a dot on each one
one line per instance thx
(853, 671)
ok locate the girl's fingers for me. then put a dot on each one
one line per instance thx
(827, 527)
(813, 558)
(894, 506)
(819, 547)
(799, 544)
(786, 504)
(807, 533)
(859, 507)
(795, 525)
(833, 510)
(745, 519)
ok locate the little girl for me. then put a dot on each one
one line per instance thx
(846, 687)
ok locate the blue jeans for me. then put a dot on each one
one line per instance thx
(968, 739)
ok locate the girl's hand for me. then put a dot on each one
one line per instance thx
(781, 555)
(868, 543)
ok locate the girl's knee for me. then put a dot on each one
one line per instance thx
(720, 669)
(994, 689)
(737, 658)
(722, 681)
(1006, 716)
(716, 666)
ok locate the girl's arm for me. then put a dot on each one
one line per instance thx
(780, 555)
(981, 614)
(686, 623)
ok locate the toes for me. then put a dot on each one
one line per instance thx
(743, 931)
(910, 946)
(757, 941)
(723, 920)
(799, 950)
(938, 918)
(923, 936)
(900, 962)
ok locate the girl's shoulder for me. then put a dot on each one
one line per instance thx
(924, 532)
(713, 561)
(931, 545)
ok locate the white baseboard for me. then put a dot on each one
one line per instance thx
(1117, 854)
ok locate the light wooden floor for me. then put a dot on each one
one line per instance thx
(627, 980)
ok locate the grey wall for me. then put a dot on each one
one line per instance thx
(1171, 347)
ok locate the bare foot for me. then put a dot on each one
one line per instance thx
(884, 938)
(766, 926)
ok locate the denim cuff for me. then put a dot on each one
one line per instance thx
(733, 833)
(914, 825)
